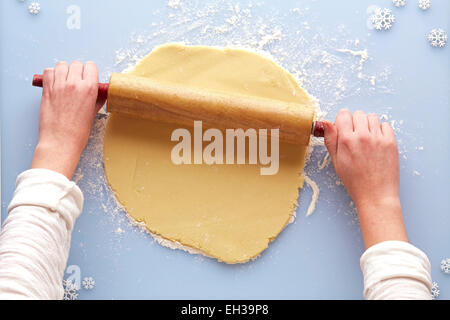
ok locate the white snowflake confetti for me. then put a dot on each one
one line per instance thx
(382, 19)
(88, 283)
(435, 290)
(437, 38)
(34, 8)
(399, 3)
(424, 4)
(70, 290)
(445, 266)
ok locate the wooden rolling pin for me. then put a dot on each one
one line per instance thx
(173, 103)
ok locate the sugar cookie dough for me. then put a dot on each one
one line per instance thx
(229, 212)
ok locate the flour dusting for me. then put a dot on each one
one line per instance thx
(315, 196)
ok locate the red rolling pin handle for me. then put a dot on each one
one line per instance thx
(317, 130)
(102, 87)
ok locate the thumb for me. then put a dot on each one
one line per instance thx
(330, 135)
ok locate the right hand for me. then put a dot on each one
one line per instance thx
(365, 156)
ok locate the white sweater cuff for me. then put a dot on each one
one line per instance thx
(396, 270)
(50, 190)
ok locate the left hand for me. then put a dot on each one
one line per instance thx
(68, 108)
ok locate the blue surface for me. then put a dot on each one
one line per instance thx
(314, 258)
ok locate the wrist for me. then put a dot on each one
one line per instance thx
(57, 157)
(381, 220)
(381, 204)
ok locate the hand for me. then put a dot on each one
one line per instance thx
(365, 156)
(68, 108)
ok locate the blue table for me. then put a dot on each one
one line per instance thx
(404, 79)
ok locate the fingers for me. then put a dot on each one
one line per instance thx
(387, 131)
(90, 72)
(90, 76)
(360, 122)
(48, 80)
(374, 124)
(75, 72)
(61, 71)
(344, 121)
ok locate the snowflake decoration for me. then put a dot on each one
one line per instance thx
(382, 19)
(399, 3)
(435, 291)
(34, 8)
(70, 290)
(445, 266)
(88, 283)
(424, 4)
(437, 38)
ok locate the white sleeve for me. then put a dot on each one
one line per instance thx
(35, 238)
(396, 270)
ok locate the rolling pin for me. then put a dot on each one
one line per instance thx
(173, 103)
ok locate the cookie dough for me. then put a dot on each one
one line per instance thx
(229, 212)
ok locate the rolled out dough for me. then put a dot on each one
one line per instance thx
(229, 212)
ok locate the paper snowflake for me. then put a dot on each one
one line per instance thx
(399, 3)
(424, 4)
(437, 38)
(88, 283)
(34, 8)
(435, 290)
(445, 266)
(382, 19)
(70, 290)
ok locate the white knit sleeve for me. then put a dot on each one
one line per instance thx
(35, 238)
(396, 270)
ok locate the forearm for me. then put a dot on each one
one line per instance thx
(35, 238)
(381, 221)
(56, 157)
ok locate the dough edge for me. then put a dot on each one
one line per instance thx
(175, 245)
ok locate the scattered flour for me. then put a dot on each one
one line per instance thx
(119, 231)
(363, 54)
(315, 196)
(174, 4)
(325, 162)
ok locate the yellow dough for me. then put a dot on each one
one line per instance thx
(229, 212)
